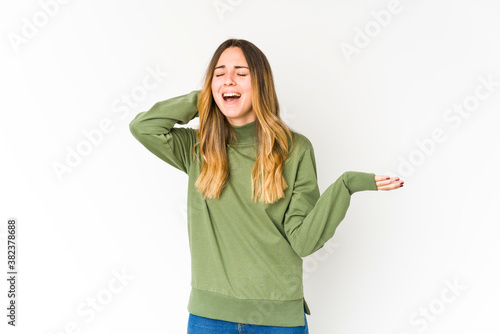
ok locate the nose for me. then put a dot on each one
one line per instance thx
(229, 79)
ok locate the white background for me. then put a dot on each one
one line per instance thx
(121, 209)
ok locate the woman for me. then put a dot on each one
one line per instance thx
(254, 207)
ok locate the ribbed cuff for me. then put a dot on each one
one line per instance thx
(360, 181)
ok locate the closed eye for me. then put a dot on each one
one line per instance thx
(241, 75)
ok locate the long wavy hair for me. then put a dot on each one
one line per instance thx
(214, 132)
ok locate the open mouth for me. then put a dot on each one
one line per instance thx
(231, 97)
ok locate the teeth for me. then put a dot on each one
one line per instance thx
(231, 94)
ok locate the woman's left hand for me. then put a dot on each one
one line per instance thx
(385, 182)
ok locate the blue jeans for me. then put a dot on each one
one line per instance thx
(202, 325)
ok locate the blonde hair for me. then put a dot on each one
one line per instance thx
(215, 132)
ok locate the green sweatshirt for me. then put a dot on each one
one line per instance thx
(246, 257)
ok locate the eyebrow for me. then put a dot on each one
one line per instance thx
(223, 66)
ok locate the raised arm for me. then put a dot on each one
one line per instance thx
(311, 220)
(155, 130)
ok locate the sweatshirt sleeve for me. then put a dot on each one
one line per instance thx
(311, 220)
(155, 130)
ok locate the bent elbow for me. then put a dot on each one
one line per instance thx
(136, 129)
(133, 126)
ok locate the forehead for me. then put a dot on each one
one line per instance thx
(232, 56)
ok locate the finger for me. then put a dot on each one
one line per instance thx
(391, 186)
(386, 181)
(381, 177)
(385, 177)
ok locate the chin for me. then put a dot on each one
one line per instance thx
(232, 115)
(230, 112)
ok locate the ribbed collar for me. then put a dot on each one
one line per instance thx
(245, 134)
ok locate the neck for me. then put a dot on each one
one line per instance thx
(245, 134)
